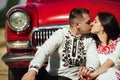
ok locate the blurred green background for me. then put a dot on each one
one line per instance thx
(5, 5)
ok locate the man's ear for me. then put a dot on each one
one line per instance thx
(77, 25)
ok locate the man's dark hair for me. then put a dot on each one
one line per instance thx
(77, 13)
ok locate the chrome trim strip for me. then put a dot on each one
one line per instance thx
(10, 57)
(19, 44)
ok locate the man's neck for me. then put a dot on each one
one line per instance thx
(75, 32)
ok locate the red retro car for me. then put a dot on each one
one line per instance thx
(29, 25)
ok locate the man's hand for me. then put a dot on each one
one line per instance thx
(30, 75)
(84, 73)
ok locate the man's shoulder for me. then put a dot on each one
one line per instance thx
(62, 30)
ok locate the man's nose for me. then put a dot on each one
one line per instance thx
(91, 24)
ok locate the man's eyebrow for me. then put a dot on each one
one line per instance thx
(88, 22)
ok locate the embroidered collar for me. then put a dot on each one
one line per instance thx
(108, 49)
(78, 37)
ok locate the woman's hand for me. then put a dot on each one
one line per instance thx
(84, 73)
(92, 76)
(30, 75)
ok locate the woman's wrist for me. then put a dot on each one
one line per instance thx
(93, 75)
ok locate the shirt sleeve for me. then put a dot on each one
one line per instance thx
(92, 61)
(115, 56)
(45, 50)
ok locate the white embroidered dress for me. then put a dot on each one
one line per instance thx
(112, 52)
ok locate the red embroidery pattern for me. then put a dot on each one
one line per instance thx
(36, 67)
(118, 75)
(74, 53)
(109, 48)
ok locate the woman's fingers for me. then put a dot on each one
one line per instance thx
(84, 73)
